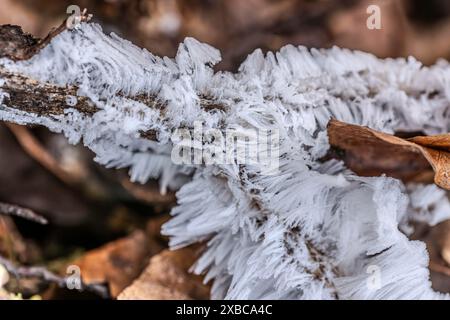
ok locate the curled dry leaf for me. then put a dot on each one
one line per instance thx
(167, 278)
(370, 153)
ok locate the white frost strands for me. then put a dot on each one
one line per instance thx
(313, 230)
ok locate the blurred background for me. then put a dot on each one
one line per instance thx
(110, 227)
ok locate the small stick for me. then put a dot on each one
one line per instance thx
(84, 17)
(48, 276)
(13, 210)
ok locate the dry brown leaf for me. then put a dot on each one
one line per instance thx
(119, 262)
(369, 153)
(167, 277)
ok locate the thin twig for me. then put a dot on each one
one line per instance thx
(84, 17)
(14, 210)
(37, 151)
(48, 276)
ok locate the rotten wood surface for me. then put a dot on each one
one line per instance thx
(40, 98)
(46, 99)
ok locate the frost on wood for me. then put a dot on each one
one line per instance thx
(313, 230)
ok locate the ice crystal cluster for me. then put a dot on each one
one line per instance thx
(313, 230)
